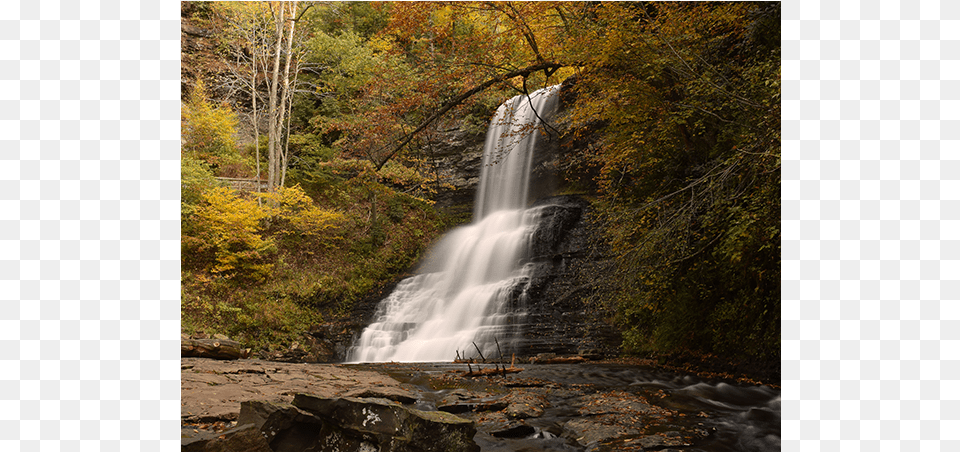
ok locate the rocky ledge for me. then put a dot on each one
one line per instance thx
(260, 406)
(348, 424)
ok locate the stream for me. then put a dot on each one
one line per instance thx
(729, 416)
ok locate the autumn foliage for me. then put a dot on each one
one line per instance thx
(687, 98)
(231, 235)
(207, 131)
(671, 116)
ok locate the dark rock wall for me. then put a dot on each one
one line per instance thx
(454, 156)
(564, 315)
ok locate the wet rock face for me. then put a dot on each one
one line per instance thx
(567, 255)
(455, 156)
(554, 223)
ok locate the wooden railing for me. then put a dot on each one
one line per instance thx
(245, 184)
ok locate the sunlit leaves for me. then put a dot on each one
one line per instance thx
(227, 229)
(207, 132)
(293, 213)
(195, 178)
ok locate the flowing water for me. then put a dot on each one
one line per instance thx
(738, 417)
(469, 295)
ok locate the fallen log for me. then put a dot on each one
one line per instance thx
(210, 348)
(559, 360)
(491, 371)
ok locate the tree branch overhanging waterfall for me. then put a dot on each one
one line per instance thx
(525, 72)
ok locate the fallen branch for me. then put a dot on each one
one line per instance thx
(501, 356)
(462, 97)
(479, 352)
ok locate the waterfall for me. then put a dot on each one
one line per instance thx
(471, 288)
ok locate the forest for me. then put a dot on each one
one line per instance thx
(329, 112)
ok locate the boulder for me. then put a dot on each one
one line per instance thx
(513, 429)
(245, 438)
(462, 401)
(268, 417)
(498, 425)
(620, 416)
(284, 427)
(663, 440)
(347, 423)
(393, 426)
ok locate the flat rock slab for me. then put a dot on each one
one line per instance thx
(212, 390)
(524, 404)
(619, 402)
(588, 432)
(622, 419)
(393, 393)
(462, 401)
(499, 426)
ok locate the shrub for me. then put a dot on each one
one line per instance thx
(227, 240)
(207, 134)
(295, 215)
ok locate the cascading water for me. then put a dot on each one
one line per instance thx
(469, 290)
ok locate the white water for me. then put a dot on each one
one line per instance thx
(464, 294)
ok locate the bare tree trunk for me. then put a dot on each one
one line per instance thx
(287, 98)
(286, 143)
(247, 25)
(253, 102)
(273, 143)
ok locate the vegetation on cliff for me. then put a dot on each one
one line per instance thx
(674, 107)
(688, 171)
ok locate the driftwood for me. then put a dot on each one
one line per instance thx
(498, 369)
(492, 371)
(211, 348)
